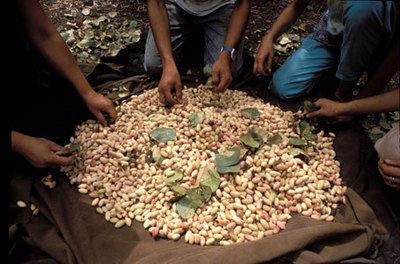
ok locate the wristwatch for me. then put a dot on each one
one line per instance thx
(229, 49)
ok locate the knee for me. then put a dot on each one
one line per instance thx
(152, 65)
(286, 89)
(360, 15)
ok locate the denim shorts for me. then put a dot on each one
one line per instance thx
(370, 29)
(214, 28)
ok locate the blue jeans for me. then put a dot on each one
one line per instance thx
(367, 35)
(215, 27)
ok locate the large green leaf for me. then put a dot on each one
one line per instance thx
(274, 139)
(185, 207)
(250, 113)
(253, 138)
(211, 179)
(163, 134)
(297, 142)
(179, 190)
(173, 179)
(228, 158)
(196, 118)
(305, 128)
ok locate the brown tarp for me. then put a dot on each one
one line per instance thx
(68, 229)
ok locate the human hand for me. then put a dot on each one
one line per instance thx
(265, 52)
(40, 152)
(170, 80)
(390, 171)
(327, 108)
(96, 103)
(221, 73)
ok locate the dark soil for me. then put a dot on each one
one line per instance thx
(263, 14)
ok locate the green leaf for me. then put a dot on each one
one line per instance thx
(206, 192)
(209, 83)
(229, 169)
(228, 161)
(163, 134)
(179, 190)
(228, 158)
(207, 69)
(172, 180)
(211, 179)
(297, 152)
(310, 136)
(305, 128)
(297, 142)
(383, 123)
(196, 118)
(250, 113)
(185, 208)
(274, 139)
(75, 147)
(253, 138)
(309, 107)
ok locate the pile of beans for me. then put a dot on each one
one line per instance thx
(115, 168)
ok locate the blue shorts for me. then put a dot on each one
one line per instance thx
(215, 27)
(369, 30)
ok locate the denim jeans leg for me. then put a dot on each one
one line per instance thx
(215, 29)
(369, 31)
(302, 71)
(180, 28)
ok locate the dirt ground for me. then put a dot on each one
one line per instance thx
(66, 13)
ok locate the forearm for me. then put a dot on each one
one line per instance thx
(47, 40)
(286, 19)
(389, 101)
(17, 141)
(55, 51)
(237, 23)
(159, 23)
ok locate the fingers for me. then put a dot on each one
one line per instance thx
(269, 64)
(101, 118)
(395, 163)
(259, 67)
(314, 114)
(390, 170)
(166, 95)
(162, 97)
(224, 83)
(111, 112)
(58, 161)
(390, 174)
(170, 99)
(178, 91)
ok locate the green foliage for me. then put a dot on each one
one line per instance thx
(196, 118)
(163, 134)
(250, 113)
(228, 162)
(253, 138)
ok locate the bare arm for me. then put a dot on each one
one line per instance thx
(385, 102)
(40, 152)
(222, 76)
(47, 40)
(285, 20)
(170, 78)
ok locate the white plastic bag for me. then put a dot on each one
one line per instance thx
(388, 147)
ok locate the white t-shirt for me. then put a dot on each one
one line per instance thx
(201, 7)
